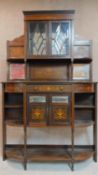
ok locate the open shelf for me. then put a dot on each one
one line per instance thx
(84, 107)
(82, 154)
(47, 58)
(13, 122)
(82, 60)
(13, 106)
(13, 99)
(15, 152)
(83, 123)
(85, 100)
(49, 153)
(84, 114)
(13, 116)
(16, 60)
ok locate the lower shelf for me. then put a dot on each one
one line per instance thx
(49, 153)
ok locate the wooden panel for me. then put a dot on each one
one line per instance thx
(16, 48)
(49, 88)
(19, 41)
(16, 52)
(10, 87)
(48, 72)
(83, 87)
(60, 113)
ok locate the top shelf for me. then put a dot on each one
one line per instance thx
(47, 58)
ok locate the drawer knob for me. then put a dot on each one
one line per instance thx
(48, 88)
(35, 88)
(61, 88)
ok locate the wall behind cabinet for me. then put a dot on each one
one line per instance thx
(11, 26)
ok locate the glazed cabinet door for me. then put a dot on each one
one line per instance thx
(60, 109)
(49, 38)
(37, 109)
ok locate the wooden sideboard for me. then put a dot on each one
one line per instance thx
(49, 85)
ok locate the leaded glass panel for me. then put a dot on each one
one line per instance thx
(37, 38)
(60, 38)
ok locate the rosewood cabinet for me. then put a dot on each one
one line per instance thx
(49, 85)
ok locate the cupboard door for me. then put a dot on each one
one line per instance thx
(60, 113)
(37, 107)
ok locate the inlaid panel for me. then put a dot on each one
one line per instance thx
(60, 113)
(14, 87)
(37, 107)
(60, 110)
(79, 87)
(16, 52)
(49, 88)
(37, 113)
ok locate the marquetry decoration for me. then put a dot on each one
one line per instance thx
(79, 87)
(14, 87)
(49, 88)
(60, 113)
(38, 113)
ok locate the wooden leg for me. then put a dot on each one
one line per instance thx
(25, 165)
(95, 128)
(95, 156)
(4, 157)
(72, 168)
(71, 165)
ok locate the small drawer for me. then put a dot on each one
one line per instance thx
(49, 88)
(83, 87)
(14, 87)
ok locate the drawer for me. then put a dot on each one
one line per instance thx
(14, 87)
(49, 88)
(83, 87)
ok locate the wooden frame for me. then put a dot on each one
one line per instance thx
(81, 72)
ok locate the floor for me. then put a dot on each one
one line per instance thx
(11, 167)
